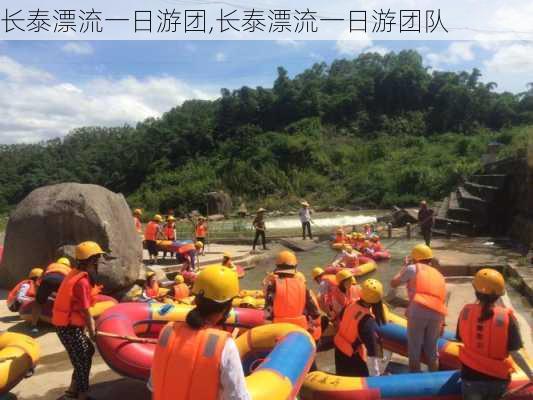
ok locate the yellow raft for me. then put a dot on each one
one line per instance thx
(18, 356)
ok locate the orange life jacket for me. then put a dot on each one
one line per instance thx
(186, 363)
(181, 290)
(350, 260)
(153, 290)
(57, 268)
(429, 288)
(340, 300)
(169, 232)
(348, 331)
(12, 295)
(289, 301)
(138, 226)
(485, 343)
(63, 313)
(200, 230)
(150, 232)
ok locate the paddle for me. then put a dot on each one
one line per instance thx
(517, 389)
(133, 339)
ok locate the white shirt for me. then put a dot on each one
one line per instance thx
(22, 292)
(305, 214)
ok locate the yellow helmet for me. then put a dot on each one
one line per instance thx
(199, 245)
(286, 258)
(87, 249)
(149, 274)
(35, 273)
(489, 281)
(348, 248)
(157, 218)
(227, 254)
(344, 274)
(179, 279)
(316, 272)
(171, 218)
(421, 252)
(217, 283)
(137, 211)
(372, 291)
(64, 261)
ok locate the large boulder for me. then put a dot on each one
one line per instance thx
(51, 220)
(219, 203)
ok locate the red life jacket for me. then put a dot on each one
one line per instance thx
(200, 230)
(186, 363)
(348, 331)
(485, 343)
(12, 295)
(64, 312)
(289, 301)
(153, 290)
(150, 232)
(169, 232)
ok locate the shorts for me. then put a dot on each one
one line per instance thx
(49, 284)
(151, 246)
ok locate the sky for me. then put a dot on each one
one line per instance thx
(49, 88)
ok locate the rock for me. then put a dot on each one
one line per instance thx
(51, 220)
(219, 203)
(216, 217)
(400, 216)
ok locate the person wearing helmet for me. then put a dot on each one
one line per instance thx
(367, 230)
(491, 339)
(260, 228)
(348, 258)
(151, 287)
(200, 232)
(326, 283)
(375, 244)
(340, 235)
(71, 316)
(208, 359)
(287, 298)
(49, 284)
(152, 233)
(226, 261)
(25, 290)
(305, 218)
(345, 292)
(358, 241)
(137, 213)
(357, 348)
(426, 289)
(425, 221)
(180, 290)
(169, 231)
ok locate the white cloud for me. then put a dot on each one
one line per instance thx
(456, 53)
(80, 48)
(15, 71)
(32, 109)
(511, 66)
(291, 43)
(353, 43)
(220, 57)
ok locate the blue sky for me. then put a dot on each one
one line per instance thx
(52, 87)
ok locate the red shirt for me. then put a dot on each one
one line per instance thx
(81, 295)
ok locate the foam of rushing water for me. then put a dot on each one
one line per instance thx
(294, 222)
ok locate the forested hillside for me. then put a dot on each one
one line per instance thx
(372, 131)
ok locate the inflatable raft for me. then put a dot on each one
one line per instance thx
(360, 270)
(145, 320)
(103, 303)
(18, 356)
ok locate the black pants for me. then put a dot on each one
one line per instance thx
(349, 366)
(259, 233)
(80, 351)
(49, 284)
(426, 233)
(306, 225)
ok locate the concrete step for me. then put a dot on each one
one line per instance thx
(497, 180)
(455, 211)
(470, 201)
(443, 208)
(442, 232)
(485, 192)
(456, 226)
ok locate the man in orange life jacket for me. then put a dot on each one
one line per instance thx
(50, 282)
(287, 299)
(71, 316)
(195, 359)
(357, 348)
(152, 233)
(24, 290)
(491, 338)
(427, 306)
(169, 231)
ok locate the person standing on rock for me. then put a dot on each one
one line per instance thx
(491, 340)
(427, 306)
(425, 220)
(260, 228)
(305, 218)
(71, 316)
(152, 232)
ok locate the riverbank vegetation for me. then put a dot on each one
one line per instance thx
(372, 131)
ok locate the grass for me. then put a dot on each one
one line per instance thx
(3, 222)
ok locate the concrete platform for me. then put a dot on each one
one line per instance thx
(298, 244)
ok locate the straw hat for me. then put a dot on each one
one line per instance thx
(261, 210)
(304, 203)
